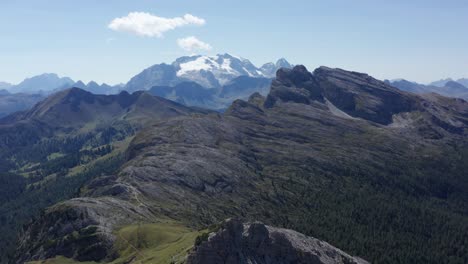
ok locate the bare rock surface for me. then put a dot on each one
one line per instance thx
(242, 243)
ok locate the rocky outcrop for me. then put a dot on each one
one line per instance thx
(357, 94)
(243, 243)
(81, 229)
(360, 95)
(294, 85)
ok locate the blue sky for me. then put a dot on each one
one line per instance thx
(417, 40)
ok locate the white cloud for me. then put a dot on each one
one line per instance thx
(148, 25)
(192, 44)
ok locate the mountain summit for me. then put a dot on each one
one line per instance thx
(207, 71)
(76, 107)
(269, 69)
(212, 82)
(46, 82)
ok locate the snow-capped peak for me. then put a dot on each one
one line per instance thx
(283, 63)
(207, 71)
(224, 67)
(198, 64)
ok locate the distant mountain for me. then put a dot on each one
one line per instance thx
(193, 94)
(5, 85)
(208, 71)
(441, 83)
(269, 69)
(450, 88)
(10, 103)
(95, 88)
(212, 82)
(463, 81)
(14, 101)
(214, 71)
(408, 86)
(49, 83)
(244, 86)
(45, 83)
(188, 93)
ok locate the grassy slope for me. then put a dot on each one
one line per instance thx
(156, 243)
(58, 260)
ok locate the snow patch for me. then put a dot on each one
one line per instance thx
(248, 72)
(223, 67)
(209, 64)
(201, 63)
(227, 66)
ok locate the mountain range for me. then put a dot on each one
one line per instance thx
(210, 72)
(443, 82)
(25, 95)
(48, 83)
(378, 172)
(95, 88)
(44, 83)
(212, 82)
(446, 87)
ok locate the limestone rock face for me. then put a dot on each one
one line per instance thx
(239, 243)
(357, 94)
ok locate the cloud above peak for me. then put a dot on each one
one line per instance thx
(192, 44)
(148, 25)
